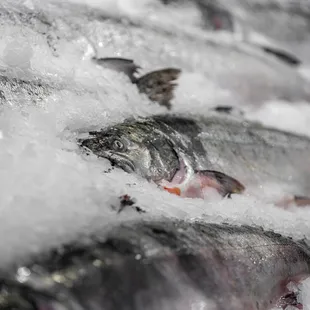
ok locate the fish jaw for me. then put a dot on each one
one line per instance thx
(180, 182)
(121, 162)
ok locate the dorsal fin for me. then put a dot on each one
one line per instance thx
(158, 85)
(124, 65)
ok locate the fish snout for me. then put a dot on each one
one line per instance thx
(89, 144)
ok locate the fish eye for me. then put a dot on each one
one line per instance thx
(118, 145)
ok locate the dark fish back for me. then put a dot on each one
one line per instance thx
(159, 265)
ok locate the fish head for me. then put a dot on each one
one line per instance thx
(136, 147)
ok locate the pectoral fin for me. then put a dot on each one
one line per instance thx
(158, 85)
(204, 179)
(124, 65)
(222, 182)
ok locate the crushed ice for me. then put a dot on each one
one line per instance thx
(50, 191)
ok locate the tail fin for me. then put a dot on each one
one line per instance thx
(124, 65)
(158, 86)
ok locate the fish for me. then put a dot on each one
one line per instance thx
(16, 90)
(188, 155)
(66, 29)
(282, 25)
(22, 83)
(162, 264)
(157, 85)
(222, 16)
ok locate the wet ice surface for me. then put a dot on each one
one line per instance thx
(50, 191)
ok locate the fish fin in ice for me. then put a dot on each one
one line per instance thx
(158, 85)
(203, 180)
(298, 201)
(227, 109)
(223, 183)
(302, 201)
(126, 66)
(173, 190)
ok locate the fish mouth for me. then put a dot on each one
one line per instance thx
(117, 160)
(121, 162)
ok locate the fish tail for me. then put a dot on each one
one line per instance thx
(126, 66)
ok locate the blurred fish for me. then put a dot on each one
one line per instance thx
(217, 15)
(20, 83)
(65, 30)
(283, 55)
(279, 28)
(157, 85)
(23, 91)
(189, 155)
(162, 265)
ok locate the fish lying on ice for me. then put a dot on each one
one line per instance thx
(65, 30)
(162, 265)
(187, 155)
(157, 85)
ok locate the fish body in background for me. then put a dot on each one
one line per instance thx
(223, 16)
(162, 265)
(222, 152)
(24, 32)
(64, 31)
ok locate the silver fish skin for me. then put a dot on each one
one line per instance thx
(160, 265)
(153, 147)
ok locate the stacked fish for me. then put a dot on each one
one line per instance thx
(167, 264)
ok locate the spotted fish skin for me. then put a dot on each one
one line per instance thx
(160, 265)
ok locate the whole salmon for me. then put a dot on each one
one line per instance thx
(195, 152)
(162, 265)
